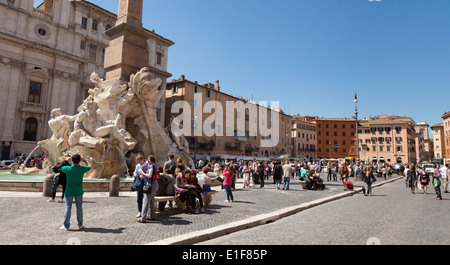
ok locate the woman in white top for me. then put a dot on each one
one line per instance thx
(246, 170)
(204, 181)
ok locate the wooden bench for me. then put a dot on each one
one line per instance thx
(207, 199)
(178, 202)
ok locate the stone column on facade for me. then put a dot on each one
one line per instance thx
(26, 5)
(11, 105)
(60, 17)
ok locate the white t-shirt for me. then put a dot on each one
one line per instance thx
(444, 172)
(201, 180)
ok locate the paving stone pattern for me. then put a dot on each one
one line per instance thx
(393, 215)
(31, 220)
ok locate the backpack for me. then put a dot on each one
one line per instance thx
(57, 168)
(156, 173)
(424, 179)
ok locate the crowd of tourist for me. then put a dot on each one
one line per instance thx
(33, 161)
(189, 183)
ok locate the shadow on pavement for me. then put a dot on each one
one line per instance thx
(101, 230)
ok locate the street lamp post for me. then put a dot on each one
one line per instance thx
(357, 134)
(195, 140)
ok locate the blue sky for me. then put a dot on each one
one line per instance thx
(313, 55)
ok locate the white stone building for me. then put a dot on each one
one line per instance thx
(48, 51)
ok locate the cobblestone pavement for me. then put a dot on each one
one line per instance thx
(28, 219)
(393, 216)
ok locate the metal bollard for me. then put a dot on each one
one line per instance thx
(48, 184)
(114, 186)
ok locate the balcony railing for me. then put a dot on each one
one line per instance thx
(43, 14)
(32, 107)
(240, 138)
(230, 147)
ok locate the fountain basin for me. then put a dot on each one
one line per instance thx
(35, 183)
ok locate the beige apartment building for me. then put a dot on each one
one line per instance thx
(304, 138)
(225, 138)
(387, 139)
(439, 141)
(446, 138)
(47, 54)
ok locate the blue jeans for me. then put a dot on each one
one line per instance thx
(277, 183)
(286, 183)
(68, 212)
(140, 198)
(308, 183)
(229, 193)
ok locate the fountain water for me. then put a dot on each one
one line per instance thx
(22, 167)
(124, 161)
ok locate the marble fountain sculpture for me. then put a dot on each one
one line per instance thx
(113, 124)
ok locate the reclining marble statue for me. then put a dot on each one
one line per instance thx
(114, 123)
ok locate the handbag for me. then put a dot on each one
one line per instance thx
(147, 188)
(436, 182)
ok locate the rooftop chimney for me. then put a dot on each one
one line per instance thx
(217, 87)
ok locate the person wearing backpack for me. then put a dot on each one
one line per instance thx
(424, 180)
(59, 179)
(151, 177)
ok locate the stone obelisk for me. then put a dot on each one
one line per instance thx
(127, 51)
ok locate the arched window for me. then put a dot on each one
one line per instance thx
(31, 126)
